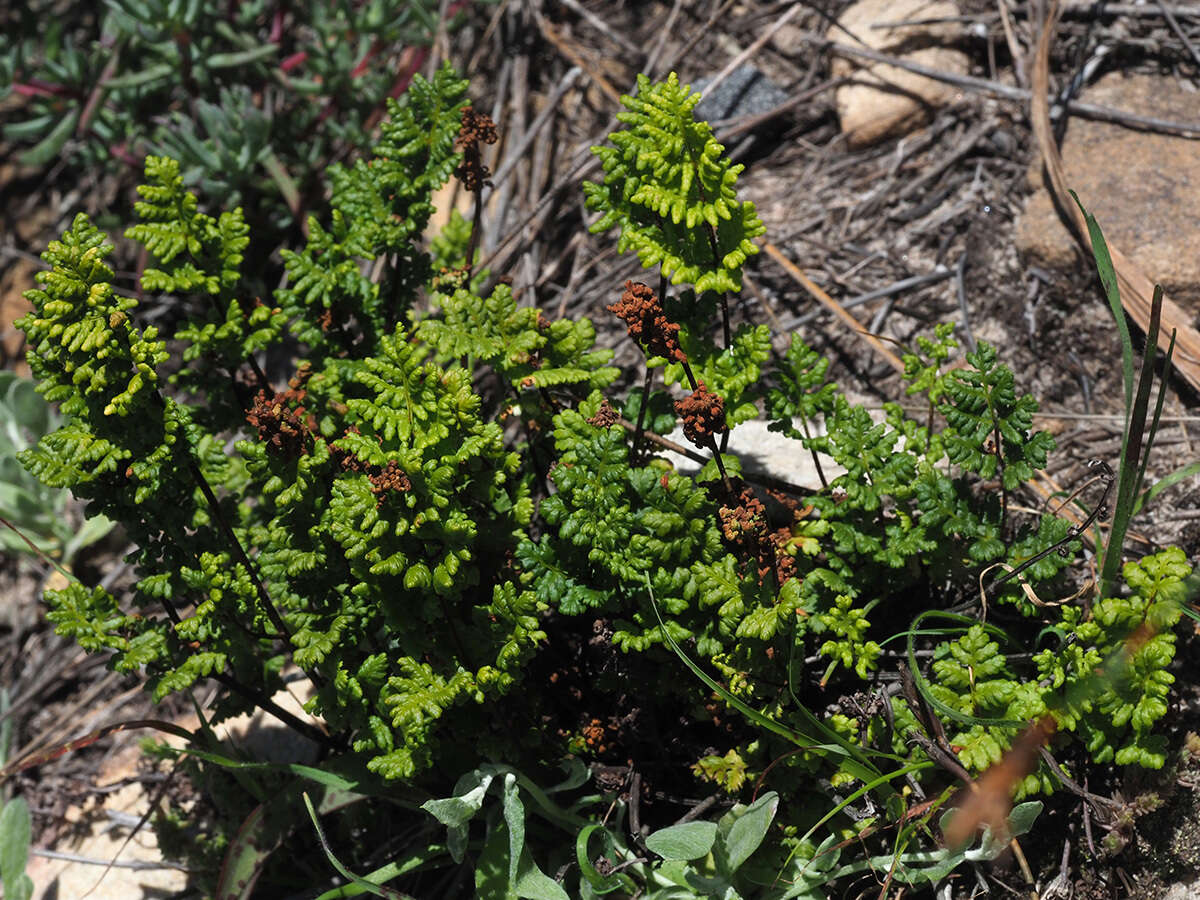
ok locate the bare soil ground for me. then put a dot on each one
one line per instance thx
(857, 221)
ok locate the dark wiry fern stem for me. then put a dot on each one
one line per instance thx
(999, 453)
(259, 374)
(716, 451)
(477, 128)
(641, 419)
(225, 529)
(235, 544)
(476, 227)
(712, 443)
(726, 332)
(240, 552)
(712, 243)
(266, 704)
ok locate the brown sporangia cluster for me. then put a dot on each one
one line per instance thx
(703, 414)
(477, 128)
(384, 480)
(448, 280)
(594, 735)
(605, 415)
(642, 312)
(345, 460)
(282, 422)
(389, 479)
(746, 528)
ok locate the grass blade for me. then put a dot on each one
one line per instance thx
(1108, 278)
(377, 889)
(1165, 482)
(1156, 419)
(1131, 453)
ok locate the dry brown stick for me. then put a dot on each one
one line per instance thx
(1136, 288)
(512, 157)
(502, 203)
(1014, 46)
(1190, 130)
(541, 167)
(1128, 9)
(654, 58)
(1174, 23)
(574, 57)
(671, 59)
(491, 29)
(776, 325)
(78, 717)
(439, 49)
(836, 308)
(603, 27)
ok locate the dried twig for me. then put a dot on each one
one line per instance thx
(1189, 130)
(804, 281)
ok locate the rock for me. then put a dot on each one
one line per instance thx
(882, 100)
(762, 452)
(746, 92)
(1143, 188)
(1183, 891)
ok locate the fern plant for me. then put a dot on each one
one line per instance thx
(671, 193)
(449, 497)
(364, 533)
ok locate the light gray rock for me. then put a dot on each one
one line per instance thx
(764, 451)
(1182, 891)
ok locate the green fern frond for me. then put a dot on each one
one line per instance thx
(848, 625)
(381, 206)
(86, 352)
(801, 390)
(982, 401)
(200, 254)
(671, 193)
(519, 342)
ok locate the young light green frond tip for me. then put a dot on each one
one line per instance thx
(196, 252)
(672, 192)
(84, 344)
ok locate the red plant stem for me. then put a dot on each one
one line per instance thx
(294, 61)
(371, 53)
(97, 94)
(276, 33)
(37, 88)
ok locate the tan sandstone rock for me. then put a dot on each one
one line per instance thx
(883, 100)
(1143, 188)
